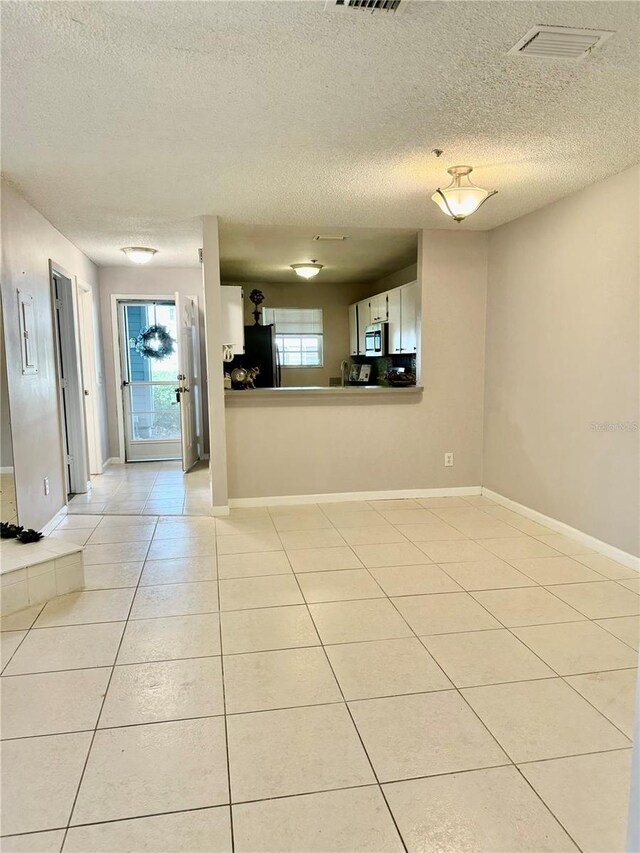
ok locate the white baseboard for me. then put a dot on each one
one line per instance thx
(113, 460)
(338, 497)
(204, 457)
(55, 521)
(623, 557)
(6, 469)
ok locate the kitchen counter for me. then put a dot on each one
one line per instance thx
(321, 391)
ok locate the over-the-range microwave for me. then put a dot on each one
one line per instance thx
(375, 339)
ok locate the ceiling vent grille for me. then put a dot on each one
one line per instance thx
(368, 5)
(560, 43)
(326, 238)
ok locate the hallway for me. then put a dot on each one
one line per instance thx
(336, 673)
(147, 488)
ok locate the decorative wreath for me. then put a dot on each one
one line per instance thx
(153, 342)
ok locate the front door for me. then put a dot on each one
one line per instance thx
(150, 401)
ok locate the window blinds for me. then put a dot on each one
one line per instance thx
(294, 321)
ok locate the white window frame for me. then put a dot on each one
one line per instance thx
(280, 336)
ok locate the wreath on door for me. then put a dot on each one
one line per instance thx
(153, 342)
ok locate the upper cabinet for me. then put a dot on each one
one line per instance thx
(354, 348)
(394, 339)
(378, 305)
(410, 317)
(400, 308)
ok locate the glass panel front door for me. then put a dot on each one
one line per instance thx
(151, 410)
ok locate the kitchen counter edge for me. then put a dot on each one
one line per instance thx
(287, 393)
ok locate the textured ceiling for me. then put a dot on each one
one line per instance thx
(123, 122)
(265, 252)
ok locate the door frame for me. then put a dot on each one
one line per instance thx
(71, 414)
(88, 338)
(117, 355)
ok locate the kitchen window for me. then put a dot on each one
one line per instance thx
(298, 335)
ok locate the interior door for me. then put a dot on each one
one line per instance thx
(188, 390)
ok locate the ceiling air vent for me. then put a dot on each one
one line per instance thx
(560, 43)
(367, 5)
(328, 238)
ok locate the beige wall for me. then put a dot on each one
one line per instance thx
(144, 281)
(562, 354)
(334, 299)
(325, 446)
(28, 243)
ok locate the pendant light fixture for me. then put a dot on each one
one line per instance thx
(461, 198)
(139, 254)
(308, 270)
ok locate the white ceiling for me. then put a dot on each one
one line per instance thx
(266, 252)
(124, 122)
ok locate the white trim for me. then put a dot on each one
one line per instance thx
(51, 525)
(338, 497)
(204, 456)
(113, 460)
(7, 469)
(623, 557)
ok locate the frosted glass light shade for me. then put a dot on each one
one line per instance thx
(307, 270)
(139, 254)
(461, 198)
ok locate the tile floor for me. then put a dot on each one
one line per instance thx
(419, 675)
(147, 488)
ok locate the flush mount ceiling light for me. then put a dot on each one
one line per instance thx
(307, 270)
(139, 254)
(461, 198)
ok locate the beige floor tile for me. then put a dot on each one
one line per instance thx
(612, 693)
(144, 770)
(266, 748)
(454, 551)
(631, 583)
(431, 532)
(526, 606)
(408, 516)
(347, 821)
(599, 600)
(463, 515)
(249, 543)
(589, 794)
(22, 620)
(169, 549)
(184, 528)
(109, 535)
(230, 526)
(252, 565)
(355, 621)
(301, 521)
(279, 510)
(340, 509)
(414, 580)
(179, 570)
(178, 599)
(343, 519)
(279, 679)
(112, 575)
(486, 574)
(395, 554)
(423, 735)
(339, 586)
(78, 536)
(485, 657)
(116, 552)
(70, 522)
(518, 548)
(484, 810)
(563, 544)
(75, 647)
(533, 720)
(52, 702)
(248, 512)
(165, 690)
(9, 642)
(39, 842)
(263, 630)
(555, 570)
(493, 528)
(323, 559)
(170, 638)
(40, 780)
(201, 831)
(268, 591)
(625, 628)
(78, 608)
(394, 504)
(293, 540)
(444, 613)
(606, 566)
(380, 534)
(124, 520)
(576, 647)
(444, 503)
(385, 668)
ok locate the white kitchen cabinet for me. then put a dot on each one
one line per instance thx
(379, 310)
(395, 321)
(232, 317)
(364, 320)
(353, 330)
(410, 314)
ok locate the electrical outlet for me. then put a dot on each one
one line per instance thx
(448, 460)
(46, 486)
